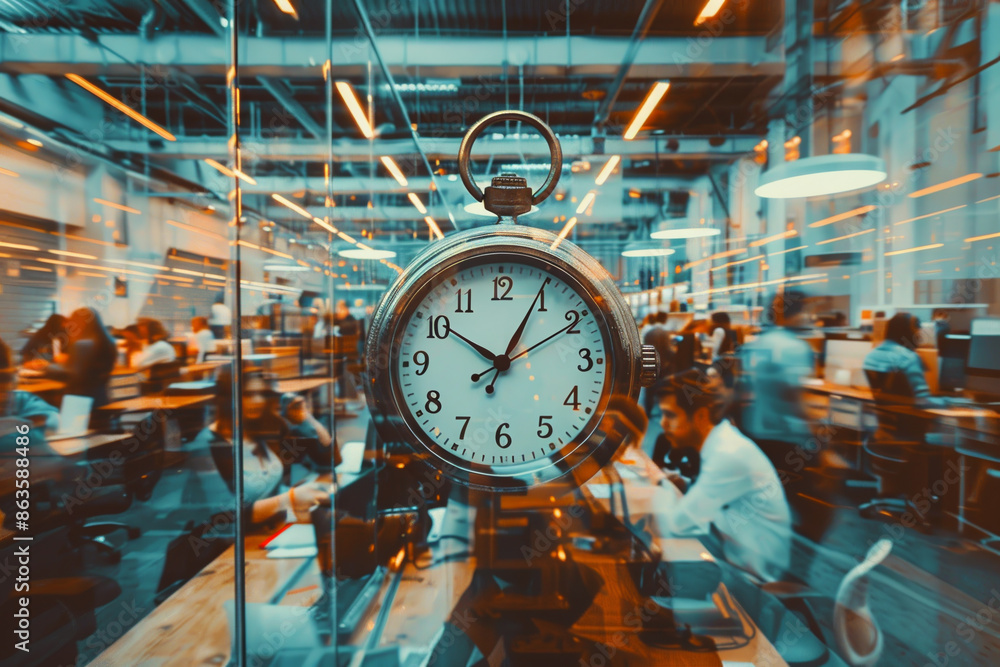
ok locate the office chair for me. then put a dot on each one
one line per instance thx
(161, 375)
(856, 632)
(134, 478)
(899, 456)
(62, 607)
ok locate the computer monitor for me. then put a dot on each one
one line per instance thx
(844, 359)
(982, 372)
(952, 355)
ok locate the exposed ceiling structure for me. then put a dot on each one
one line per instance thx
(584, 67)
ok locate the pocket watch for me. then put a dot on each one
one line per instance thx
(496, 351)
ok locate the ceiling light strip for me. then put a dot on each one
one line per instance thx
(961, 180)
(917, 249)
(609, 167)
(863, 210)
(930, 215)
(125, 109)
(847, 236)
(656, 93)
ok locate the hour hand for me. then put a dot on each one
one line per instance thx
(486, 354)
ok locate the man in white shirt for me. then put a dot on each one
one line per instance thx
(221, 316)
(737, 494)
(201, 341)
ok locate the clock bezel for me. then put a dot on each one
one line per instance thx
(586, 453)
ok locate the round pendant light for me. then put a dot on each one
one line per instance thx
(646, 250)
(366, 253)
(821, 175)
(685, 233)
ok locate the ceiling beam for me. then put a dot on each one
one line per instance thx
(404, 55)
(281, 93)
(446, 148)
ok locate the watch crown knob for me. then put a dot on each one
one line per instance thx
(650, 366)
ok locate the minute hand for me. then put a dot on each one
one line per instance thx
(545, 340)
(516, 338)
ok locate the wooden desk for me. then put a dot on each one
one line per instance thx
(203, 367)
(426, 598)
(84, 443)
(151, 403)
(191, 626)
(40, 386)
(302, 385)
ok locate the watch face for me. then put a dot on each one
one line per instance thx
(501, 366)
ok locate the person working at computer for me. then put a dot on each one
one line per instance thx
(157, 350)
(894, 368)
(20, 408)
(262, 469)
(737, 495)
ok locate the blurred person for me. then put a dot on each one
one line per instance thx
(721, 339)
(896, 355)
(662, 340)
(21, 407)
(302, 423)
(942, 326)
(737, 495)
(86, 365)
(220, 317)
(201, 342)
(262, 469)
(132, 336)
(157, 349)
(346, 323)
(774, 367)
(46, 343)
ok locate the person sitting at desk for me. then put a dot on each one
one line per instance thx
(21, 407)
(302, 423)
(721, 340)
(86, 365)
(45, 343)
(201, 340)
(737, 495)
(895, 356)
(158, 349)
(262, 469)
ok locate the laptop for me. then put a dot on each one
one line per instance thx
(74, 417)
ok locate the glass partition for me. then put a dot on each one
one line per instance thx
(254, 406)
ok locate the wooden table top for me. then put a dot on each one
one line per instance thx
(144, 403)
(203, 366)
(81, 444)
(40, 386)
(191, 627)
(297, 385)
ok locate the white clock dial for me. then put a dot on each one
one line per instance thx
(489, 391)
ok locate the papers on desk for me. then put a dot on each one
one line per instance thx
(295, 552)
(296, 541)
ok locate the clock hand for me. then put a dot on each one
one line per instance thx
(489, 356)
(516, 338)
(477, 376)
(489, 387)
(546, 340)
